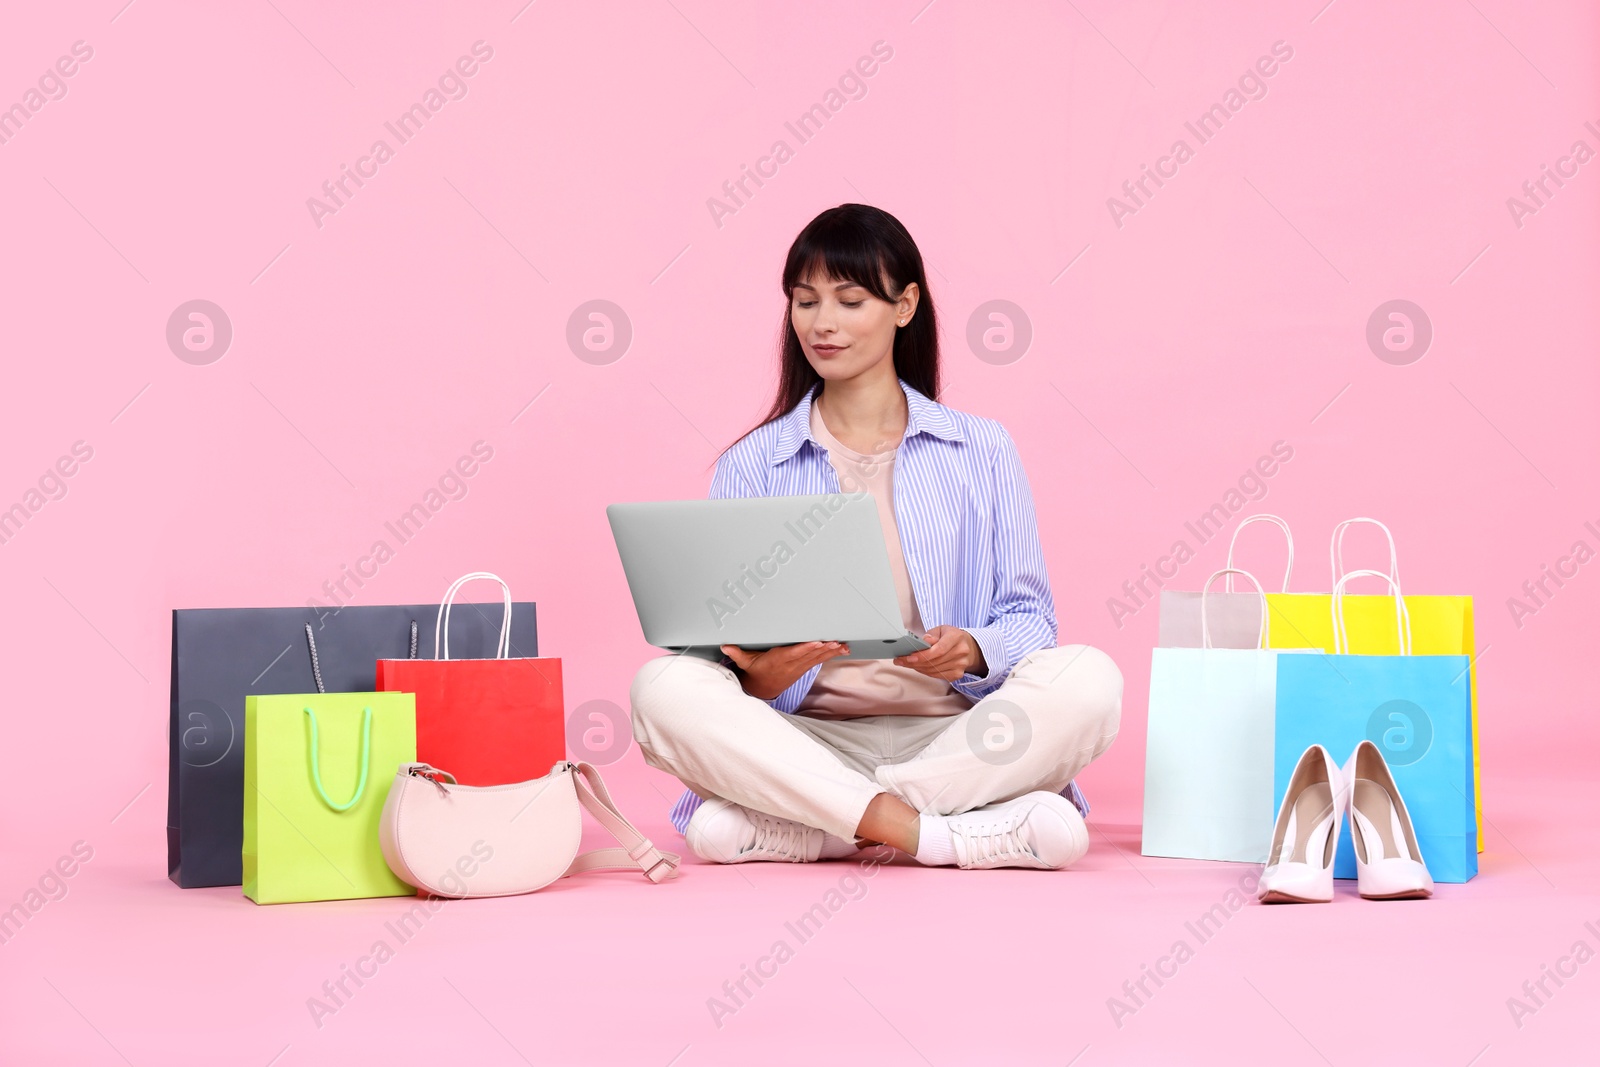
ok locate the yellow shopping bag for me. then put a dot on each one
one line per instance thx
(1440, 626)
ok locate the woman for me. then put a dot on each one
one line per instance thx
(956, 754)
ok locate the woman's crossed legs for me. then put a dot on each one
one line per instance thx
(978, 789)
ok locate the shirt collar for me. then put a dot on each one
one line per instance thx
(922, 416)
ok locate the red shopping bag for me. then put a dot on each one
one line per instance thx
(486, 721)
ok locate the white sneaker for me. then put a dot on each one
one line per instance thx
(1040, 830)
(721, 831)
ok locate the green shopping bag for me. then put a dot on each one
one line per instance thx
(317, 770)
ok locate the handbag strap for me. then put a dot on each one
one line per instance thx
(637, 852)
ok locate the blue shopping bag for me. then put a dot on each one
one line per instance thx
(1416, 709)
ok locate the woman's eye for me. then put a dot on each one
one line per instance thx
(852, 304)
(805, 303)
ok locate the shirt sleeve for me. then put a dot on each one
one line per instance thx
(726, 481)
(1023, 615)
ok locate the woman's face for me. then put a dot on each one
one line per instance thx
(842, 327)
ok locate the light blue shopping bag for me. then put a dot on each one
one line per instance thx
(1208, 751)
(1416, 709)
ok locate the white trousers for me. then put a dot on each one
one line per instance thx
(1057, 711)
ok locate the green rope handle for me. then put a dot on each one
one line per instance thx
(366, 759)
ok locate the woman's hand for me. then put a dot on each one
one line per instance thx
(767, 673)
(954, 652)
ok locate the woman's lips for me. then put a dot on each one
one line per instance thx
(827, 350)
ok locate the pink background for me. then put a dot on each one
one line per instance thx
(368, 354)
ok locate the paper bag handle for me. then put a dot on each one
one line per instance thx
(366, 761)
(1402, 614)
(316, 664)
(442, 626)
(1205, 626)
(1287, 536)
(1336, 548)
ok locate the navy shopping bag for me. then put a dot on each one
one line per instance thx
(220, 656)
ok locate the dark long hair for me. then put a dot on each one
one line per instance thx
(868, 246)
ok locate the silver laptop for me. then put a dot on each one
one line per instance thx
(758, 572)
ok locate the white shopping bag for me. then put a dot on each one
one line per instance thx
(1208, 757)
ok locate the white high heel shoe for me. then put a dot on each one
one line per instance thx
(1388, 861)
(1300, 866)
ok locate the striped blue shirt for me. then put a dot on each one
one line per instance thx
(967, 529)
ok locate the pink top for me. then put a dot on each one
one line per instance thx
(848, 689)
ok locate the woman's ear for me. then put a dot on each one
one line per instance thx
(906, 306)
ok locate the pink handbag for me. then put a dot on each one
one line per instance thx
(454, 840)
